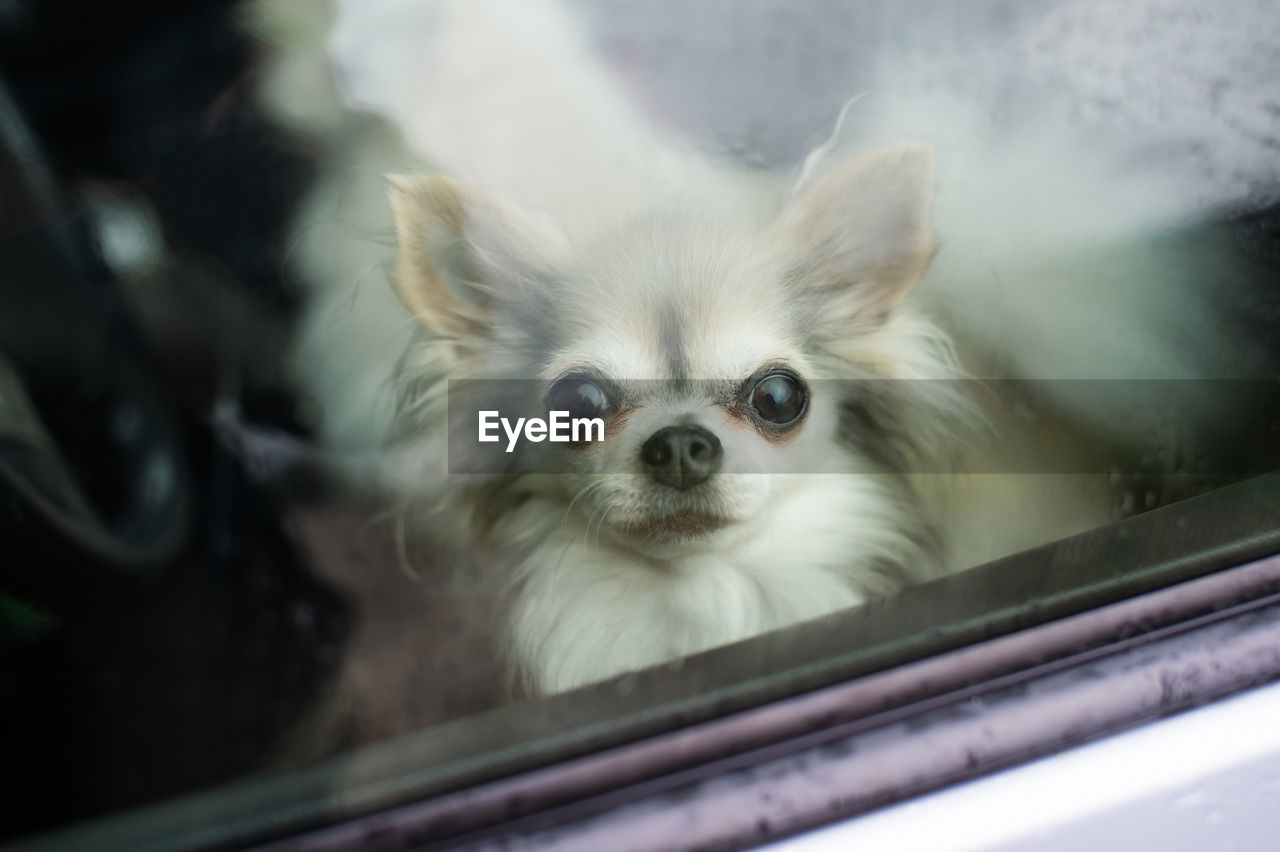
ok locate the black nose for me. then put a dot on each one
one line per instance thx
(681, 456)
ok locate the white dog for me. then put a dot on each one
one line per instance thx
(785, 429)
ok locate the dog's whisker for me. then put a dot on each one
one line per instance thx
(631, 582)
(581, 493)
(604, 517)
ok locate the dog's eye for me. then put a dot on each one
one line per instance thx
(779, 398)
(578, 396)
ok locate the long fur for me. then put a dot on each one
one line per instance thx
(1046, 267)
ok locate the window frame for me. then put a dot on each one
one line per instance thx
(1186, 567)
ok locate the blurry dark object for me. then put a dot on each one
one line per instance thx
(158, 633)
(153, 101)
(157, 94)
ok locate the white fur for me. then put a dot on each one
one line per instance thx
(588, 608)
(507, 95)
(811, 528)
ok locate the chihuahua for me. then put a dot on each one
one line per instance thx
(785, 432)
(743, 362)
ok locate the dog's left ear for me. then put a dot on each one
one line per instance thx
(861, 231)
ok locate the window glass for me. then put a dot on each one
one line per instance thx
(374, 375)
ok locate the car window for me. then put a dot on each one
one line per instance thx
(402, 396)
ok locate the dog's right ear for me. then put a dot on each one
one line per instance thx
(465, 253)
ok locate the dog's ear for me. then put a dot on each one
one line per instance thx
(861, 229)
(463, 253)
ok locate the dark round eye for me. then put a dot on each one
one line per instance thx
(578, 396)
(779, 399)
